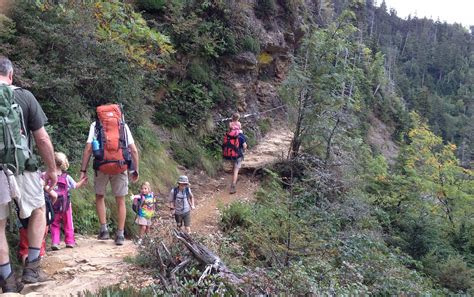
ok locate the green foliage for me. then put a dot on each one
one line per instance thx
(7, 28)
(118, 22)
(265, 8)
(201, 29)
(455, 275)
(251, 44)
(235, 215)
(151, 5)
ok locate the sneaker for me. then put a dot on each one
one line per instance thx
(32, 272)
(119, 240)
(104, 235)
(10, 284)
(55, 247)
(232, 189)
(70, 245)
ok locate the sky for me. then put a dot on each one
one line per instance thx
(451, 11)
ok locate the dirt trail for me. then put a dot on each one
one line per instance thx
(93, 264)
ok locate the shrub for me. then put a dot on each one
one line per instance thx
(264, 8)
(455, 275)
(251, 44)
(151, 5)
(237, 214)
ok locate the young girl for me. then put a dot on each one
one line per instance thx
(62, 207)
(235, 124)
(181, 202)
(146, 208)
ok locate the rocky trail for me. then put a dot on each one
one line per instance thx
(93, 264)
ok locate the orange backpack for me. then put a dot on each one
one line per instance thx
(114, 156)
(231, 146)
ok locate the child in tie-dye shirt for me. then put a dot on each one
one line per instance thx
(146, 208)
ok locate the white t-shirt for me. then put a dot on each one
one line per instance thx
(92, 134)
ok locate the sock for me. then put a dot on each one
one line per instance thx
(119, 233)
(5, 270)
(103, 228)
(33, 253)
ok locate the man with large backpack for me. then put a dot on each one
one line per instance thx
(115, 153)
(22, 120)
(233, 148)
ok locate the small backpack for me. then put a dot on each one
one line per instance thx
(114, 156)
(64, 198)
(137, 203)
(14, 150)
(231, 146)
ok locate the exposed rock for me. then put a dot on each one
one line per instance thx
(243, 62)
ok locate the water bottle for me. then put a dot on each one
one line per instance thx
(96, 148)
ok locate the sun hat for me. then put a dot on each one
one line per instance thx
(183, 179)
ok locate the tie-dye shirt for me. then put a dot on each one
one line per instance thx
(148, 207)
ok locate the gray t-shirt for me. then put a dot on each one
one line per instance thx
(181, 204)
(33, 114)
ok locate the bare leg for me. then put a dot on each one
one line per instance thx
(37, 222)
(100, 208)
(121, 212)
(4, 258)
(236, 174)
(143, 230)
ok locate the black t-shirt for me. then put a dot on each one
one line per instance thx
(33, 114)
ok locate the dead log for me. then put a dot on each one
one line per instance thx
(206, 257)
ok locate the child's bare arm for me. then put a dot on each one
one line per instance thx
(82, 182)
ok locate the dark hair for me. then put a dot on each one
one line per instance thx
(6, 66)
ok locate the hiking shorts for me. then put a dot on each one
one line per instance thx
(32, 195)
(118, 182)
(185, 217)
(143, 221)
(238, 162)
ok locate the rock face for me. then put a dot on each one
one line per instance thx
(256, 77)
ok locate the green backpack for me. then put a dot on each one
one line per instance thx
(14, 150)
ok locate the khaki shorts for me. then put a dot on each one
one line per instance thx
(119, 183)
(32, 195)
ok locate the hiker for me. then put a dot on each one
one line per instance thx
(26, 121)
(237, 163)
(112, 159)
(144, 205)
(62, 206)
(181, 202)
(235, 124)
(233, 149)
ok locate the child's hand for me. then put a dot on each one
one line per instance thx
(193, 207)
(53, 196)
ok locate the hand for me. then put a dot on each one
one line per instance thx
(50, 178)
(53, 196)
(134, 176)
(193, 207)
(84, 177)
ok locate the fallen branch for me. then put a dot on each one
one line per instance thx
(206, 257)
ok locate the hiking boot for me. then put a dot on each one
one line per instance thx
(55, 247)
(104, 235)
(10, 284)
(119, 240)
(232, 189)
(70, 245)
(32, 272)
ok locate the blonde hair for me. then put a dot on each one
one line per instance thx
(61, 161)
(235, 116)
(146, 184)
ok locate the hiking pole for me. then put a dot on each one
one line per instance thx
(252, 114)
